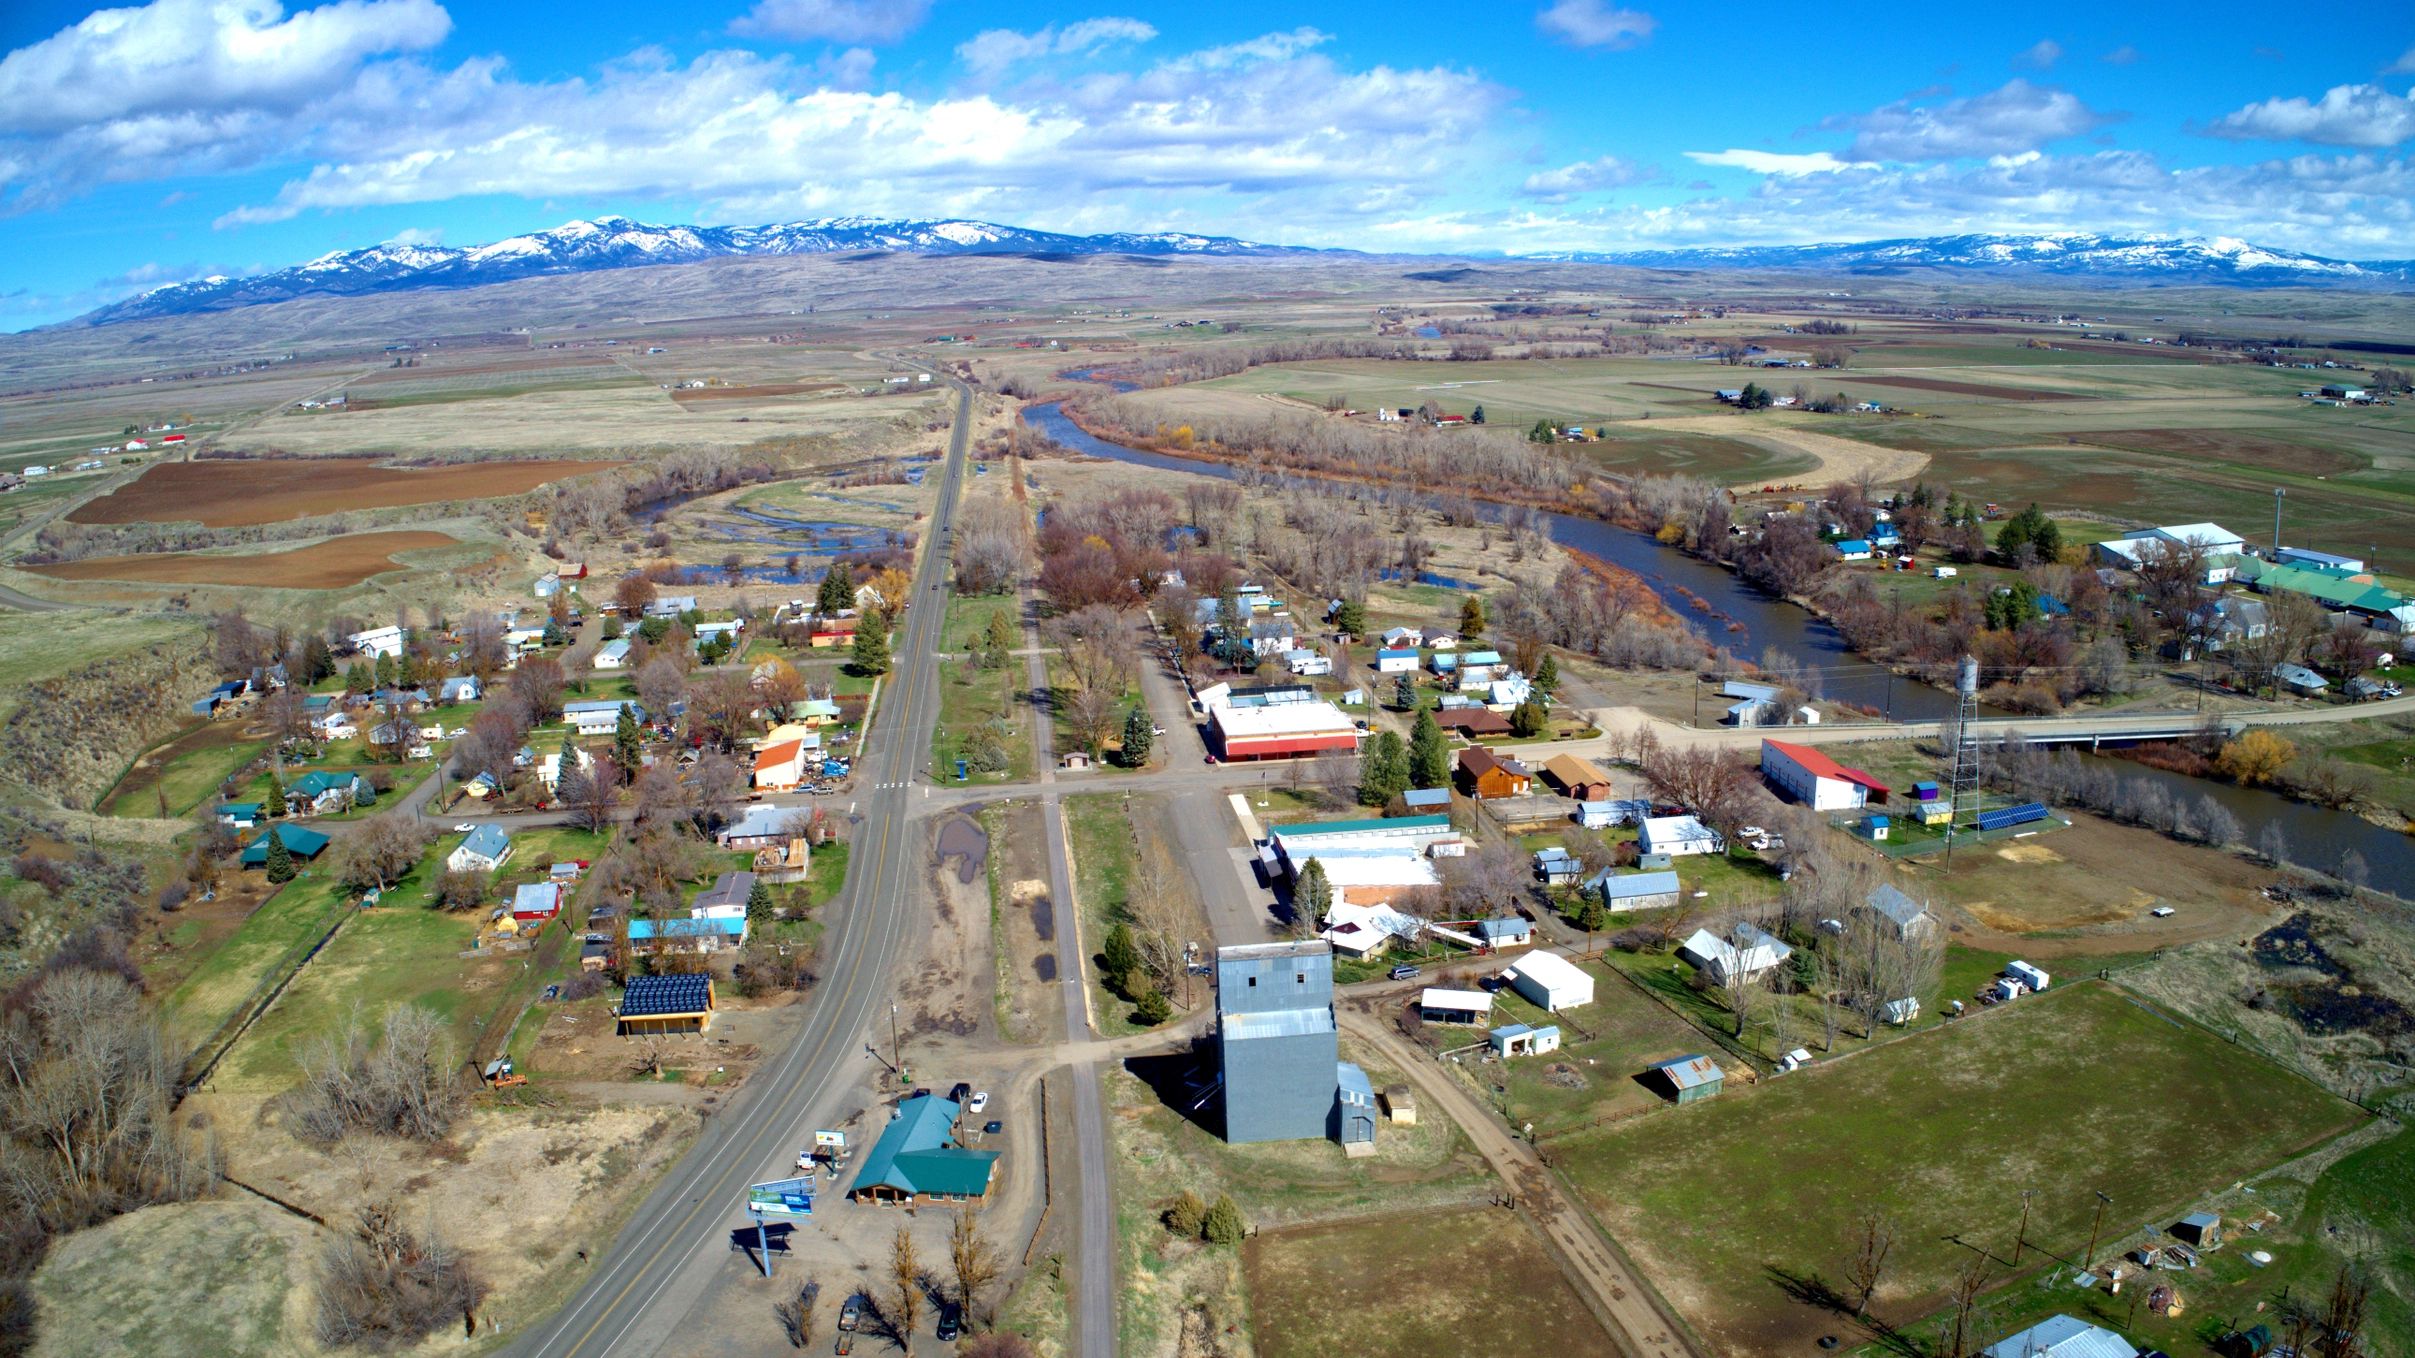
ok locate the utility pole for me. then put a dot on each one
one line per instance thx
(2088, 1260)
(2278, 494)
(897, 1053)
(2021, 1237)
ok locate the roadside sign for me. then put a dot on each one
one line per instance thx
(836, 1141)
(781, 1198)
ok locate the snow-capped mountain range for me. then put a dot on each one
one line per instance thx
(2072, 255)
(620, 243)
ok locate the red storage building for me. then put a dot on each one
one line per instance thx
(1281, 730)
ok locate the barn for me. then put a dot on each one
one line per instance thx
(1805, 775)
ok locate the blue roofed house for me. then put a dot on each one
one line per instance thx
(1512, 932)
(320, 793)
(1635, 890)
(301, 843)
(918, 1158)
(1854, 549)
(2062, 1337)
(600, 717)
(694, 934)
(240, 815)
(481, 850)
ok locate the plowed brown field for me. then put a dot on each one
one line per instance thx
(234, 494)
(332, 564)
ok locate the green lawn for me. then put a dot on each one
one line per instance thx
(194, 764)
(1101, 837)
(968, 617)
(971, 697)
(1592, 1077)
(266, 944)
(2074, 1091)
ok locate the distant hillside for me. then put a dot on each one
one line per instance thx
(2074, 256)
(619, 243)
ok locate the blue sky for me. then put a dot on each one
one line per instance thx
(150, 144)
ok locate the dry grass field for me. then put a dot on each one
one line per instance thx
(233, 494)
(333, 564)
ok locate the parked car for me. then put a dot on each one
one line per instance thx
(948, 1327)
(851, 1314)
(992, 1127)
(960, 1092)
(979, 1102)
(1405, 972)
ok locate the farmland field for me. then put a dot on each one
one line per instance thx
(233, 494)
(333, 564)
(1725, 1202)
(1404, 1286)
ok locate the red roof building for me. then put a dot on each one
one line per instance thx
(1815, 780)
(1280, 731)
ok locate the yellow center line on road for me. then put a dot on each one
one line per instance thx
(913, 685)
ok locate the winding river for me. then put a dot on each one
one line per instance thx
(1748, 621)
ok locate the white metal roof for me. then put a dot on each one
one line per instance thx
(1551, 970)
(1282, 719)
(1472, 1001)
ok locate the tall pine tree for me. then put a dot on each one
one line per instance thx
(1311, 896)
(872, 644)
(279, 862)
(1384, 772)
(1137, 735)
(1471, 618)
(626, 742)
(837, 594)
(1429, 754)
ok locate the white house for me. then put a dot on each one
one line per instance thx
(1678, 836)
(481, 850)
(1550, 982)
(1395, 662)
(1307, 664)
(1364, 930)
(460, 689)
(1751, 952)
(1404, 639)
(613, 654)
(549, 768)
(378, 641)
(601, 717)
(1807, 776)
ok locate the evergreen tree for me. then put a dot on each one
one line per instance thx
(406, 669)
(1187, 1215)
(837, 593)
(2030, 527)
(1119, 957)
(627, 742)
(1351, 618)
(1528, 719)
(1404, 692)
(280, 858)
(1152, 1008)
(554, 635)
(871, 645)
(998, 641)
(1477, 417)
(612, 627)
(758, 904)
(1137, 735)
(1429, 754)
(1547, 677)
(1224, 1225)
(359, 678)
(1311, 895)
(1384, 772)
(1542, 432)
(384, 669)
(275, 806)
(1471, 617)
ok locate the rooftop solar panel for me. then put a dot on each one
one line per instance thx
(652, 996)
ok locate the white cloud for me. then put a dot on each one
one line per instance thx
(994, 50)
(414, 235)
(2124, 55)
(2018, 117)
(2039, 56)
(2347, 115)
(729, 132)
(853, 21)
(2404, 65)
(1592, 23)
(1586, 176)
(1264, 47)
(1774, 162)
(146, 72)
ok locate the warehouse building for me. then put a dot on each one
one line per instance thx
(1281, 731)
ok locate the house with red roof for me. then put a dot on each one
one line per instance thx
(1817, 781)
(780, 767)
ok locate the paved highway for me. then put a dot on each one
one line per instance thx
(641, 1293)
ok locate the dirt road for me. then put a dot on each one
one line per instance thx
(1841, 459)
(1640, 1327)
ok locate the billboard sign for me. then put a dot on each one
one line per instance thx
(781, 1198)
(836, 1141)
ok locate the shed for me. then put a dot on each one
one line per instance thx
(1438, 1005)
(1518, 1039)
(301, 843)
(1577, 778)
(1637, 890)
(1425, 800)
(1400, 1104)
(2202, 1229)
(1550, 982)
(666, 1004)
(1691, 1078)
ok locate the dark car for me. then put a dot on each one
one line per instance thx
(957, 1094)
(992, 1127)
(948, 1328)
(1405, 972)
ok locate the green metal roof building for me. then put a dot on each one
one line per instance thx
(917, 1158)
(299, 842)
